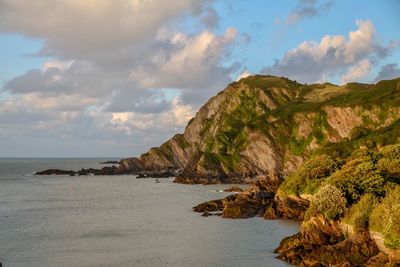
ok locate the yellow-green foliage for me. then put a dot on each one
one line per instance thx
(310, 175)
(358, 214)
(385, 218)
(329, 202)
(358, 177)
(388, 163)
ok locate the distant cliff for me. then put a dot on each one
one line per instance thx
(268, 126)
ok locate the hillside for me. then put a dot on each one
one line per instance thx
(267, 126)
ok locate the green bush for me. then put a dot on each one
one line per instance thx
(388, 163)
(329, 202)
(358, 177)
(310, 175)
(358, 214)
(385, 218)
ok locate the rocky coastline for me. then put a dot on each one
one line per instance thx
(287, 141)
(112, 170)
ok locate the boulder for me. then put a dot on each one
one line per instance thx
(322, 243)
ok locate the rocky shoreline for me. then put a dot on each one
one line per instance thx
(320, 242)
(113, 170)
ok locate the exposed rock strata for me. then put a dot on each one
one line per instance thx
(263, 126)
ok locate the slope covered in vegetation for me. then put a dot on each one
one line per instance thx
(268, 126)
(357, 196)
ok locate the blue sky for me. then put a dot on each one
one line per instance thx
(114, 78)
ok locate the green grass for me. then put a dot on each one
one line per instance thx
(385, 218)
(358, 214)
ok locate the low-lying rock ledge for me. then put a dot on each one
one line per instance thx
(156, 175)
(110, 162)
(113, 170)
(233, 189)
(254, 201)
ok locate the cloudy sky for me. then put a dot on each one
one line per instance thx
(116, 77)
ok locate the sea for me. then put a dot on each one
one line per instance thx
(121, 221)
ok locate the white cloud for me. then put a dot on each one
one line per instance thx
(192, 62)
(357, 72)
(316, 61)
(111, 63)
(244, 74)
(91, 29)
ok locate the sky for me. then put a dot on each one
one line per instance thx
(112, 78)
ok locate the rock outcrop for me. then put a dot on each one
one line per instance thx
(323, 243)
(258, 200)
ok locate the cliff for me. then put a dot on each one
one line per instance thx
(266, 126)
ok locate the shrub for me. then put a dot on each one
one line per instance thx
(329, 202)
(358, 177)
(358, 132)
(388, 163)
(358, 214)
(310, 175)
(385, 218)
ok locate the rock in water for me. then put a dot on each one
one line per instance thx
(322, 243)
(55, 172)
(210, 206)
(234, 189)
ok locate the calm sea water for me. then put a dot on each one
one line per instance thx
(121, 221)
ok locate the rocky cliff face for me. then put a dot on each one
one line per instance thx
(267, 126)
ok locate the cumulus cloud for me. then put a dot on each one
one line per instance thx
(357, 72)
(243, 74)
(89, 29)
(113, 65)
(307, 8)
(316, 61)
(388, 71)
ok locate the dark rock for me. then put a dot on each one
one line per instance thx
(244, 206)
(55, 172)
(210, 206)
(233, 189)
(166, 174)
(249, 203)
(206, 214)
(209, 179)
(379, 260)
(110, 162)
(287, 207)
(322, 243)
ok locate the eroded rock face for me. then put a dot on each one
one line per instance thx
(262, 126)
(322, 243)
(287, 207)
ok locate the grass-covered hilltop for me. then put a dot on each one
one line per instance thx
(266, 125)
